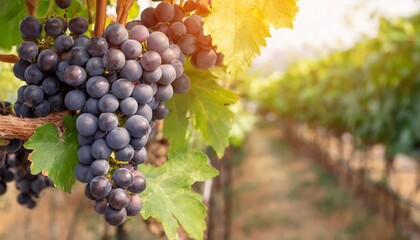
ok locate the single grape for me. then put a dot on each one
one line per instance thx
(164, 12)
(19, 69)
(176, 50)
(153, 104)
(63, 43)
(34, 75)
(168, 74)
(88, 193)
(178, 14)
(145, 111)
(23, 198)
(33, 95)
(154, 87)
(75, 100)
(123, 178)
(148, 17)
(81, 172)
(164, 93)
(152, 77)
(30, 27)
(115, 217)
(128, 167)
(100, 206)
(51, 85)
(107, 121)
(188, 44)
(118, 138)
(78, 25)
(108, 103)
(42, 109)
(119, 198)
(161, 111)
(194, 24)
(48, 60)
(99, 167)
(168, 57)
(204, 59)
(157, 42)
(131, 71)
(17, 107)
(97, 46)
(84, 154)
(139, 184)
(134, 206)
(79, 56)
(139, 33)
(28, 50)
(81, 41)
(139, 157)
(87, 124)
(181, 84)
(114, 59)
(116, 34)
(143, 93)
(100, 187)
(97, 86)
(137, 126)
(130, 25)
(132, 49)
(95, 67)
(63, 4)
(176, 31)
(74, 75)
(150, 61)
(139, 143)
(125, 154)
(122, 88)
(129, 106)
(162, 27)
(100, 149)
(91, 106)
(53, 27)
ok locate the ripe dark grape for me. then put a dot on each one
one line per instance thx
(30, 28)
(63, 4)
(107, 122)
(177, 30)
(132, 49)
(119, 198)
(139, 143)
(53, 27)
(137, 126)
(100, 167)
(74, 75)
(168, 74)
(97, 86)
(100, 206)
(75, 100)
(139, 157)
(139, 184)
(161, 111)
(188, 44)
(157, 42)
(48, 60)
(95, 67)
(108, 103)
(204, 59)
(97, 46)
(181, 84)
(114, 59)
(87, 124)
(143, 93)
(123, 178)
(164, 12)
(19, 69)
(131, 71)
(148, 17)
(78, 25)
(116, 34)
(34, 75)
(134, 206)
(145, 111)
(164, 93)
(42, 109)
(33, 95)
(100, 149)
(51, 85)
(28, 50)
(139, 33)
(63, 43)
(100, 187)
(129, 106)
(91, 106)
(194, 24)
(152, 77)
(122, 88)
(79, 56)
(118, 138)
(150, 61)
(125, 154)
(115, 217)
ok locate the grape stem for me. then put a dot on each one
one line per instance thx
(31, 7)
(50, 10)
(8, 58)
(123, 8)
(22, 128)
(100, 17)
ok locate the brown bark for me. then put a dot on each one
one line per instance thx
(22, 128)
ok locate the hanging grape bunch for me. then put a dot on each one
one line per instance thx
(14, 166)
(117, 83)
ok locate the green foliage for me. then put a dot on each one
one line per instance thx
(371, 90)
(55, 153)
(9, 84)
(206, 105)
(169, 197)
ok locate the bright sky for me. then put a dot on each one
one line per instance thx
(328, 24)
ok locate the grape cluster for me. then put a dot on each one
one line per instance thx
(186, 33)
(14, 166)
(118, 84)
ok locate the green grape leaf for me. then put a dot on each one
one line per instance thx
(134, 12)
(176, 124)
(55, 153)
(207, 105)
(12, 12)
(169, 198)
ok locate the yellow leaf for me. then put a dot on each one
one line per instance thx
(278, 13)
(237, 32)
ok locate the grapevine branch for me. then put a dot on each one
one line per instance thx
(100, 17)
(22, 128)
(123, 8)
(8, 58)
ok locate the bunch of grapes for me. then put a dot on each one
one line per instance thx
(118, 84)
(14, 166)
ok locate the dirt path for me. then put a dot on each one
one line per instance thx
(278, 195)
